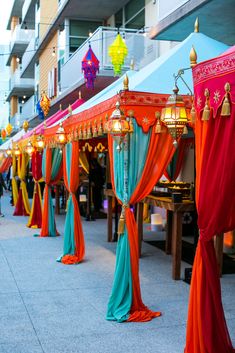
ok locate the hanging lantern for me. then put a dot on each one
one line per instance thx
(61, 135)
(174, 115)
(90, 67)
(25, 125)
(3, 134)
(17, 151)
(29, 148)
(118, 126)
(45, 104)
(40, 142)
(9, 152)
(118, 52)
(40, 111)
(9, 129)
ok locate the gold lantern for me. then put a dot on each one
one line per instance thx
(40, 142)
(61, 135)
(17, 151)
(9, 152)
(25, 125)
(118, 126)
(174, 115)
(29, 148)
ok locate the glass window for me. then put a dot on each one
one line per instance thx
(132, 8)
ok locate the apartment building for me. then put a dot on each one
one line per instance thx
(4, 84)
(50, 38)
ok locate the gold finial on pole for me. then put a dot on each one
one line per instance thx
(126, 83)
(196, 26)
(60, 106)
(193, 57)
(132, 64)
(70, 109)
(79, 95)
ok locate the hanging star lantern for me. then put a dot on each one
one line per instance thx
(3, 134)
(9, 129)
(45, 104)
(118, 52)
(90, 67)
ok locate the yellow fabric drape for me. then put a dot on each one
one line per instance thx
(146, 216)
(14, 182)
(83, 161)
(22, 174)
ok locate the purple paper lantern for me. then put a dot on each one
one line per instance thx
(90, 66)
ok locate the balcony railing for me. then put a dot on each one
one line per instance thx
(18, 85)
(16, 121)
(140, 48)
(28, 108)
(20, 37)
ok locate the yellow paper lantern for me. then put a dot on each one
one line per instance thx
(118, 52)
(25, 125)
(9, 129)
(45, 104)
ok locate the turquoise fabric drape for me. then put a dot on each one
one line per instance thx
(55, 167)
(133, 158)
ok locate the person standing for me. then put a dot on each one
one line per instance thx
(2, 185)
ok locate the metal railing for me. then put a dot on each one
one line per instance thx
(28, 108)
(20, 83)
(140, 48)
(20, 36)
(28, 55)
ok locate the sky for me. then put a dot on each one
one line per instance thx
(4, 15)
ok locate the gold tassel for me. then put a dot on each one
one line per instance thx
(121, 224)
(206, 111)
(226, 109)
(95, 130)
(131, 127)
(158, 128)
(84, 133)
(193, 114)
(185, 131)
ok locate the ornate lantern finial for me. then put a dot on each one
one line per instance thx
(126, 83)
(90, 67)
(17, 151)
(79, 94)
(132, 64)
(3, 134)
(118, 52)
(193, 57)
(196, 26)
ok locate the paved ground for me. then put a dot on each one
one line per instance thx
(52, 308)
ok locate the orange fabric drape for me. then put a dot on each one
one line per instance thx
(5, 165)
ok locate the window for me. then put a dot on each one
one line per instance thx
(79, 32)
(132, 15)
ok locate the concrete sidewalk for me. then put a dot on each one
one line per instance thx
(53, 308)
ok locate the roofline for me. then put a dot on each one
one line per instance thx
(176, 16)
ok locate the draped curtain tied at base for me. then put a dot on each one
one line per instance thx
(74, 245)
(143, 159)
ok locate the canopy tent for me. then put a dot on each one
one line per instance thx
(125, 301)
(214, 86)
(6, 145)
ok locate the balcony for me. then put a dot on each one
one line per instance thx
(27, 62)
(28, 14)
(19, 41)
(140, 48)
(20, 86)
(28, 108)
(16, 121)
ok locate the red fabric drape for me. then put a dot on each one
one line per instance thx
(5, 164)
(215, 153)
(35, 219)
(160, 153)
(72, 188)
